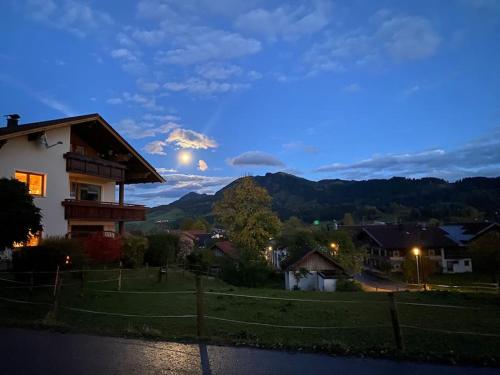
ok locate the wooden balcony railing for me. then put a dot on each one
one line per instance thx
(94, 166)
(102, 211)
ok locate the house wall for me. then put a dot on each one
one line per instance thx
(310, 282)
(327, 285)
(31, 156)
(457, 265)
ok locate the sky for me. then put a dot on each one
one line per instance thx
(212, 90)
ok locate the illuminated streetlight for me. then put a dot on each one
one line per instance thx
(416, 251)
(335, 247)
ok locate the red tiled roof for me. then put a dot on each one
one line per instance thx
(228, 249)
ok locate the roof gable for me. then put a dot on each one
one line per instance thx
(86, 120)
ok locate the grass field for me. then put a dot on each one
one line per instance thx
(362, 320)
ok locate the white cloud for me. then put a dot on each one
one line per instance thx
(204, 87)
(352, 88)
(202, 165)
(144, 129)
(201, 44)
(256, 159)
(73, 16)
(155, 148)
(409, 38)
(114, 101)
(148, 102)
(480, 157)
(56, 104)
(285, 22)
(399, 38)
(147, 86)
(217, 71)
(124, 54)
(185, 138)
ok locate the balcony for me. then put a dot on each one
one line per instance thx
(102, 211)
(92, 166)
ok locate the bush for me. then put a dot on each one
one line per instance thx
(102, 249)
(134, 249)
(348, 285)
(47, 256)
(202, 260)
(248, 274)
(162, 249)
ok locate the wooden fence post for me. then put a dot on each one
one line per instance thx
(200, 322)
(166, 271)
(398, 337)
(32, 281)
(82, 283)
(57, 287)
(120, 276)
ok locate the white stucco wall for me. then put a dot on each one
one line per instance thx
(31, 156)
(310, 282)
(458, 265)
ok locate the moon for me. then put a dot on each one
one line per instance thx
(185, 157)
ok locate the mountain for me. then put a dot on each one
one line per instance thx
(398, 198)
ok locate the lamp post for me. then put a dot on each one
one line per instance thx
(416, 251)
(335, 248)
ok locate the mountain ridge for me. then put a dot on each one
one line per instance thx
(393, 199)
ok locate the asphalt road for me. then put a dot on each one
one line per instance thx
(375, 282)
(40, 352)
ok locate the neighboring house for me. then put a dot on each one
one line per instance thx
(225, 250)
(73, 167)
(388, 245)
(313, 271)
(276, 256)
(459, 259)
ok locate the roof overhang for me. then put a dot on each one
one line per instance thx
(147, 172)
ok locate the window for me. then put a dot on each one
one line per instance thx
(33, 240)
(85, 192)
(466, 263)
(35, 182)
(432, 252)
(395, 253)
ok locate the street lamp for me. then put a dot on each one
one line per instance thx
(416, 251)
(335, 247)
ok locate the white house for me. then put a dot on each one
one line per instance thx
(73, 167)
(314, 271)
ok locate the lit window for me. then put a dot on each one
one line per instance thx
(34, 181)
(33, 240)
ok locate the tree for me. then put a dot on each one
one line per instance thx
(426, 268)
(339, 245)
(486, 255)
(19, 217)
(245, 211)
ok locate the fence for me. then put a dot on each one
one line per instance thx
(174, 302)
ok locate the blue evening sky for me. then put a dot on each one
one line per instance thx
(322, 89)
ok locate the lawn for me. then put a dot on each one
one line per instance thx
(362, 320)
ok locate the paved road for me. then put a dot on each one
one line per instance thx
(374, 282)
(40, 352)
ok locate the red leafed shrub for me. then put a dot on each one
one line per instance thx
(101, 249)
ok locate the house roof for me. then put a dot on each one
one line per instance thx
(407, 236)
(228, 249)
(466, 232)
(309, 254)
(86, 124)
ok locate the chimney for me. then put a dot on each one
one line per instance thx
(13, 120)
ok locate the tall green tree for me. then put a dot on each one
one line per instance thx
(485, 253)
(19, 217)
(245, 211)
